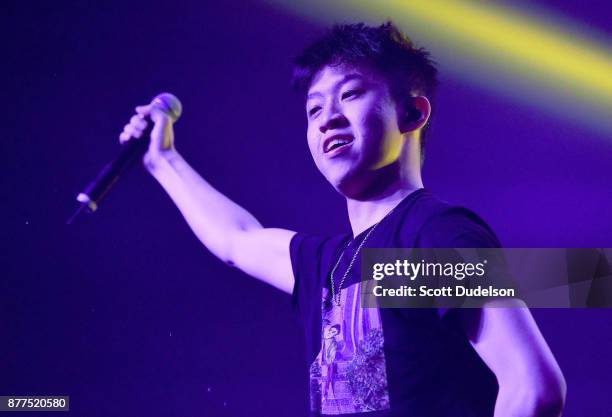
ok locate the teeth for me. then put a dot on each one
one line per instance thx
(336, 143)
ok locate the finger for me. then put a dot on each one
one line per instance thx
(138, 122)
(144, 111)
(124, 137)
(162, 129)
(133, 131)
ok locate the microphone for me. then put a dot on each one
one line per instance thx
(133, 151)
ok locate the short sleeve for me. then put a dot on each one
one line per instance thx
(310, 258)
(294, 250)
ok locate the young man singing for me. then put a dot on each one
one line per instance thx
(368, 94)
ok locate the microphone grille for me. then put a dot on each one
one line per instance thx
(169, 104)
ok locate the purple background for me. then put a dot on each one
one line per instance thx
(127, 313)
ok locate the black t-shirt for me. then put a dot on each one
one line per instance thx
(389, 362)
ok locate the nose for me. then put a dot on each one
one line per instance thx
(332, 118)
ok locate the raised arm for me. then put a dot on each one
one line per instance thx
(229, 231)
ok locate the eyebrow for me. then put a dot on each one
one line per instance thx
(344, 80)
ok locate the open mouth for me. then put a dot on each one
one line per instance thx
(337, 142)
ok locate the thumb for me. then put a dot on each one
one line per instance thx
(144, 111)
(162, 130)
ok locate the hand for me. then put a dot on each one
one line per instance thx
(162, 135)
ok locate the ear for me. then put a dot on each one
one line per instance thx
(414, 114)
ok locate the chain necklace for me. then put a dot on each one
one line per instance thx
(336, 297)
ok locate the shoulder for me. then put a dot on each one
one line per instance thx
(455, 226)
(425, 220)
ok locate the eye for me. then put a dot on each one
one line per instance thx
(313, 110)
(351, 94)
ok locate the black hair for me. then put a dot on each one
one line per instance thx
(408, 70)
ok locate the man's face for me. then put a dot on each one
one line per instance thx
(352, 127)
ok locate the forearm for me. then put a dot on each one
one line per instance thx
(507, 338)
(212, 216)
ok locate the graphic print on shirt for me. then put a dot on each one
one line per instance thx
(349, 373)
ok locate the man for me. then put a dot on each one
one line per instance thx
(328, 351)
(368, 102)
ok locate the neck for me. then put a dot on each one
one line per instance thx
(387, 188)
(366, 213)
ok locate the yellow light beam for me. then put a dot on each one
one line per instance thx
(501, 48)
